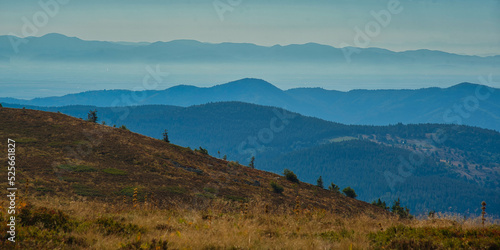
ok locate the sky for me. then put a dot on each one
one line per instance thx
(464, 27)
(457, 26)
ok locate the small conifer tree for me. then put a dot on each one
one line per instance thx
(252, 162)
(319, 182)
(334, 188)
(165, 136)
(92, 116)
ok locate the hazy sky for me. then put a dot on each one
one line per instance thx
(459, 26)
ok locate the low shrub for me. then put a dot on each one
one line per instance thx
(114, 171)
(45, 217)
(86, 190)
(109, 226)
(77, 168)
(349, 192)
(289, 175)
(277, 188)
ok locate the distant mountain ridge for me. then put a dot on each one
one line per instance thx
(70, 64)
(66, 48)
(367, 107)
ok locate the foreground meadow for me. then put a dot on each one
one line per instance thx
(77, 223)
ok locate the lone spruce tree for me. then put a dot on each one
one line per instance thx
(165, 136)
(319, 182)
(334, 188)
(92, 116)
(252, 162)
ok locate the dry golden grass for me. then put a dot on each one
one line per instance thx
(222, 224)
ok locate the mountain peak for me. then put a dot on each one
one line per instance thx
(57, 36)
(250, 82)
(179, 42)
(463, 86)
(54, 35)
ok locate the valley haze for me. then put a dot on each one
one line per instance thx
(56, 64)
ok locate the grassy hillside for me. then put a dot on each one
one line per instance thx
(464, 160)
(89, 186)
(65, 156)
